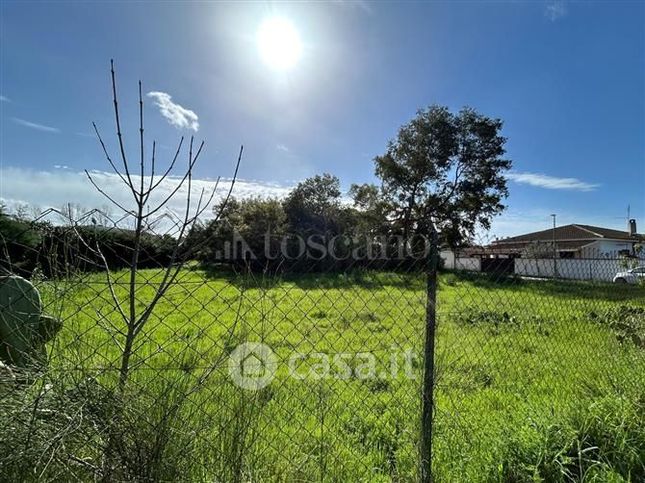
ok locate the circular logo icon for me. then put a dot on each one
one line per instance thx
(252, 365)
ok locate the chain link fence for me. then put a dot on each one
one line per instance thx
(301, 340)
(541, 368)
(309, 373)
(378, 362)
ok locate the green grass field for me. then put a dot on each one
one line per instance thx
(535, 381)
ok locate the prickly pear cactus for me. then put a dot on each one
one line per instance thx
(23, 329)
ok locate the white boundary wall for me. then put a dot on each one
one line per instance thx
(448, 257)
(599, 269)
(452, 262)
(468, 264)
(571, 268)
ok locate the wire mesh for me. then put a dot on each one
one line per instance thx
(541, 366)
(310, 368)
(340, 401)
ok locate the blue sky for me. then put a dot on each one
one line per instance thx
(568, 79)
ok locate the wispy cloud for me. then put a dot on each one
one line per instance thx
(85, 134)
(177, 115)
(551, 182)
(4, 99)
(282, 147)
(62, 185)
(34, 125)
(555, 10)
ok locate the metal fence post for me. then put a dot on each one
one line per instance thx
(428, 362)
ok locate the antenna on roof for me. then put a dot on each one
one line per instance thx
(629, 217)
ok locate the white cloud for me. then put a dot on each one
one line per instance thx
(33, 125)
(555, 10)
(282, 147)
(54, 189)
(85, 134)
(178, 116)
(551, 182)
(4, 99)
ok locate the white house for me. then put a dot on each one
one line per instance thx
(570, 241)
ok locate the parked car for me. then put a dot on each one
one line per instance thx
(630, 276)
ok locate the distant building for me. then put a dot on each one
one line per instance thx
(568, 241)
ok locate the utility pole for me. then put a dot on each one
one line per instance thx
(555, 250)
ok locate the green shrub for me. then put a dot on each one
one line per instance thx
(626, 321)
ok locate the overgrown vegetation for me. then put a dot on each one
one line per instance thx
(443, 171)
(137, 387)
(53, 250)
(627, 322)
(531, 385)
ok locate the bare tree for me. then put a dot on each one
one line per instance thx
(144, 216)
(150, 199)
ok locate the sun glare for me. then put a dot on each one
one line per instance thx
(279, 43)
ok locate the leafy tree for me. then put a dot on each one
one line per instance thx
(249, 219)
(313, 205)
(365, 196)
(371, 209)
(446, 169)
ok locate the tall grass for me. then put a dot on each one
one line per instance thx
(535, 382)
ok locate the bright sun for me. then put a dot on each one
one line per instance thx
(279, 43)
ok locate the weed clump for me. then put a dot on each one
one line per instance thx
(602, 442)
(626, 321)
(495, 318)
